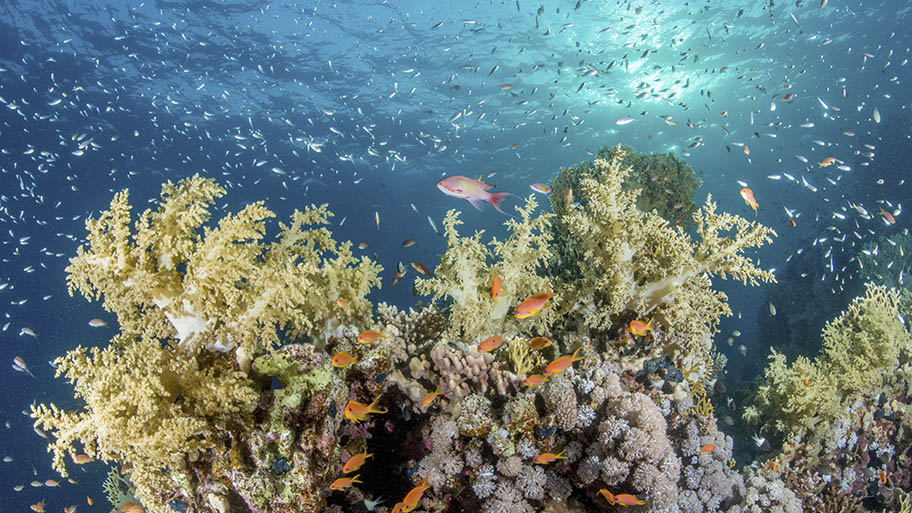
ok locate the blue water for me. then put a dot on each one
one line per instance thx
(396, 95)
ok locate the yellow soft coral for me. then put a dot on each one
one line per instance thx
(861, 352)
(220, 287)
(146, 405)
(616, 258)
(465, 276)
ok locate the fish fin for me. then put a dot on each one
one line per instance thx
(495, 198)
(477, 203)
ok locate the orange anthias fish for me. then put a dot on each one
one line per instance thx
(639, 328)
(340, 301)
(561, 364)
(748, 196)
(548, 457)
(356, 412)
(343, 359)
(412, 498)
(829, 161)
(621, 499)
(81, 459)
(355, 462)
(533, 305)
(888, 217)
(490, 344)
(368, 336)
(496, 290)
(473, 191)
(429, 398)
(539, 343)
(707, 448)
(38, 507)
(344, 482)
(535, 380)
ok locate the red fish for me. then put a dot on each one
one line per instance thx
(473, 191)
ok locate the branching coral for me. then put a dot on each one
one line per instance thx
(862, 349)
(147, 406)
(626, 259)
(465, 277)
(220, 287)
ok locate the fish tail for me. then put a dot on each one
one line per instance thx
(372, 407)
(495, 198)
(574, 357)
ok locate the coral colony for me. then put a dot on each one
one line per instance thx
(253, 375)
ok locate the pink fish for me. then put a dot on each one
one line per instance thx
(474, 191)
(19, 365)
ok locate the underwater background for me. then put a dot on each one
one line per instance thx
(366, 106)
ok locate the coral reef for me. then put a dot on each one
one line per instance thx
(464, 277)
(147, 406)
(843, 416)
(860, 348)
(245, 407)
(666, 184)
(220, 287)
(615, 258)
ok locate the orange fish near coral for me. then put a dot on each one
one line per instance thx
(343, 359)
(38, 507)
(429, 398)
(340, 301)
(621, 499)
(412, 498)
(473, 191)
(639, 328)
(368, 336)
(356, 412)
(561, 364)
(495, 287)
(81, 459)
(539, 343)
(748, 196)
(707, 448)
(489, 344)
(533, 305)
(549, 457)
(344, 482)
(535, 380)
(355, 462)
